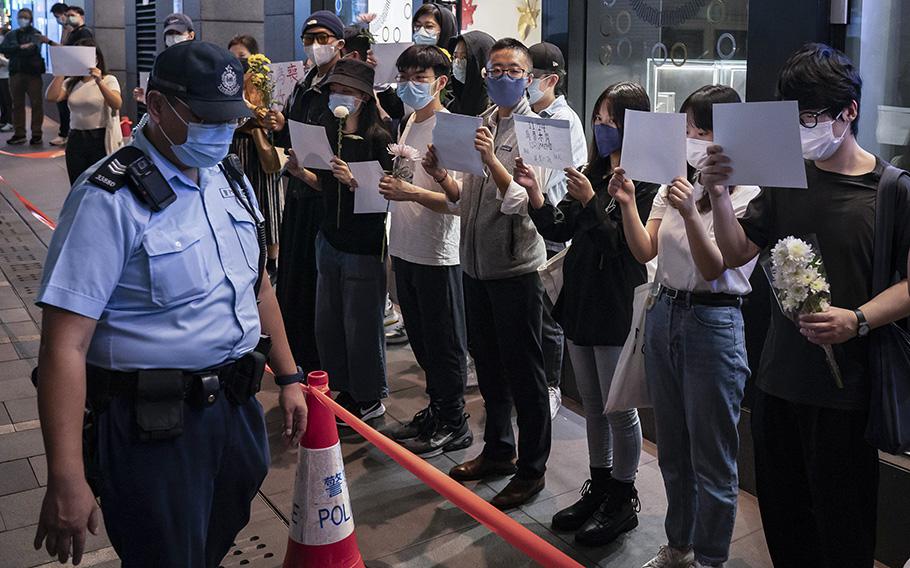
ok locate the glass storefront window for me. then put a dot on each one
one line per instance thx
(878, 41)
(43, 19)
(671, 47)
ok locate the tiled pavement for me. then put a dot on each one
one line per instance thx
(400, 522)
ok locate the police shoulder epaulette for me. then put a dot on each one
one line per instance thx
(112, 174)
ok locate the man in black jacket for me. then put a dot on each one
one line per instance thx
(23, 48)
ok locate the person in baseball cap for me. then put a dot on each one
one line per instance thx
(178, 28)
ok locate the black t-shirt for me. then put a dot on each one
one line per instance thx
(839, 210)
(77, 35)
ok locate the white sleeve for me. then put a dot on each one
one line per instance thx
(659, 206)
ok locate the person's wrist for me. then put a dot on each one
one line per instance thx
(290, 379)
(442, 178)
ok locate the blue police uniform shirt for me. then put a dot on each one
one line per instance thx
(172, 289)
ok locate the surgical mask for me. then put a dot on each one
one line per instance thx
(506, 91)
(206, 144)
(819, 143)
(415, 94)
(24, 22)
(174, 39)
(534, 91)
(607, 139)
(350, 102)
(460, 70)
(73, 20)
(61, 20)
(424, 37)
(697, 152)
(319, 54)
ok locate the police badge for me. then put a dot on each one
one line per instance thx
(229, 83)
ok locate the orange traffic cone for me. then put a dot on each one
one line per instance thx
(322, 525)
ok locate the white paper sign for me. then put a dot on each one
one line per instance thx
(367, 198)
(386, 55)
(286, 75)
(544, 142)
(72, 61)
(393, 20)
(654, 146)
(311, 144)
(762, 142)
(453, 139)
(144, 81)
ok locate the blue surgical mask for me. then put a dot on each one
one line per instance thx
(350, 102)
(415, 94)
(24, 22)
(206, 144)
(534, 91)
(460, 70)
(607, 139)
(424, 37)
(506, 91)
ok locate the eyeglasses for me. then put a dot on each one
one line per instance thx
(809, 118)
(498, 72)
(429, 26)
(322, 38)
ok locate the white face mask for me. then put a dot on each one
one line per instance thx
(535, 93)
(174, 39)
(319, 54)
(460, 69)
(819, 143)
(697, 152)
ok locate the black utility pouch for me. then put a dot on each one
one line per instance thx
(159, 404)
(247, 378)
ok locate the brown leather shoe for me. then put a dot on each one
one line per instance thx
(518, 492)
(482, 468)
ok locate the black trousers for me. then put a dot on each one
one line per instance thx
(504, 338)
(6, 103)
(432, 303)
(817, 484)
(63, 109)
(83, 148)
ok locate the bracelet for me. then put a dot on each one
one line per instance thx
(285, 380)
(443, 178)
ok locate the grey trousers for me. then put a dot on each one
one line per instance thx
(350, 301)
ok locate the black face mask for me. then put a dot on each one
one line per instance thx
(246, 64)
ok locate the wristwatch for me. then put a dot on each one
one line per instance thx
(285, 380)
(863, 329)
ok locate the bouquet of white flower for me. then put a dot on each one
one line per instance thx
(797, 276)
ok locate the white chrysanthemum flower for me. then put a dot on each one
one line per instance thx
(341, 112)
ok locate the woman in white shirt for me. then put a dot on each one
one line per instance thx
(93, 100)
(695, 351)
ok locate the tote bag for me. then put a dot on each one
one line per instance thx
(550, 274)
(629, 388)
(113, 135)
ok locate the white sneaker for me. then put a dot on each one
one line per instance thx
(669, 557)
(6, 127)
(555, 401)
(58, 141)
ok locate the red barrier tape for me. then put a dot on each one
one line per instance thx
(506, 527)
(36, 213)
(48, 154)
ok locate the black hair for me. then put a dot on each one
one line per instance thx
(247, 41)
(59, 8)
(355, 39)
(28, 11)
(622, 96)
(699, 107)
(76, 9)
(423, 57)
(101, 65)
(819, 77)
(514, 45)
(444, 17)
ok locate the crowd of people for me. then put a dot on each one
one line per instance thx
(464, 252)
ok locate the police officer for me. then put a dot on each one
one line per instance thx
(150, 309)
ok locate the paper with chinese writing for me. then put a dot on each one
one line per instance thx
(72, 61)
(544, 142)
(367, 198)
(762, 142)
(285, 75)
(453, 139)
(386, 55)
(311, 144)
(654, 146)
(144, 81)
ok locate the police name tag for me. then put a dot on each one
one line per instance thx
(226, 192)
(322, 506)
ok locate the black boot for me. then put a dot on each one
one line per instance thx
(593, 492)
(616, 515)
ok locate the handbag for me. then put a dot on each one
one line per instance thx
(888, 426)
(550, 274)
(113, 135)
(629, 388)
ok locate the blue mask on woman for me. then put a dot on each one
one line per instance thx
(425, 37)
(349, 102)
(415, 94)
(506, 91)
(607, 139)
(206, 144)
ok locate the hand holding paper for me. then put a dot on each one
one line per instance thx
(654, 146)
(453, 142)
(311, 144)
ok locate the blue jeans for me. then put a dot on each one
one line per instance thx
(696, 366)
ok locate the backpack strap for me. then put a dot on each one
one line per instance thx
(885, 217)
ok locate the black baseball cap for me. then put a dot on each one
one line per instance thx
(547, 59)
(352, 73)
(205, 76)
(327, 20)
(179, 23)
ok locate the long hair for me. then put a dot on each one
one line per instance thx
(622, 96)
(71, 82)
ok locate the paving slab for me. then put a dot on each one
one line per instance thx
(23, 409)
(16, 476)
(16, 445)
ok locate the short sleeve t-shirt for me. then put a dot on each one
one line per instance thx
(839, 212)
(87, 104)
